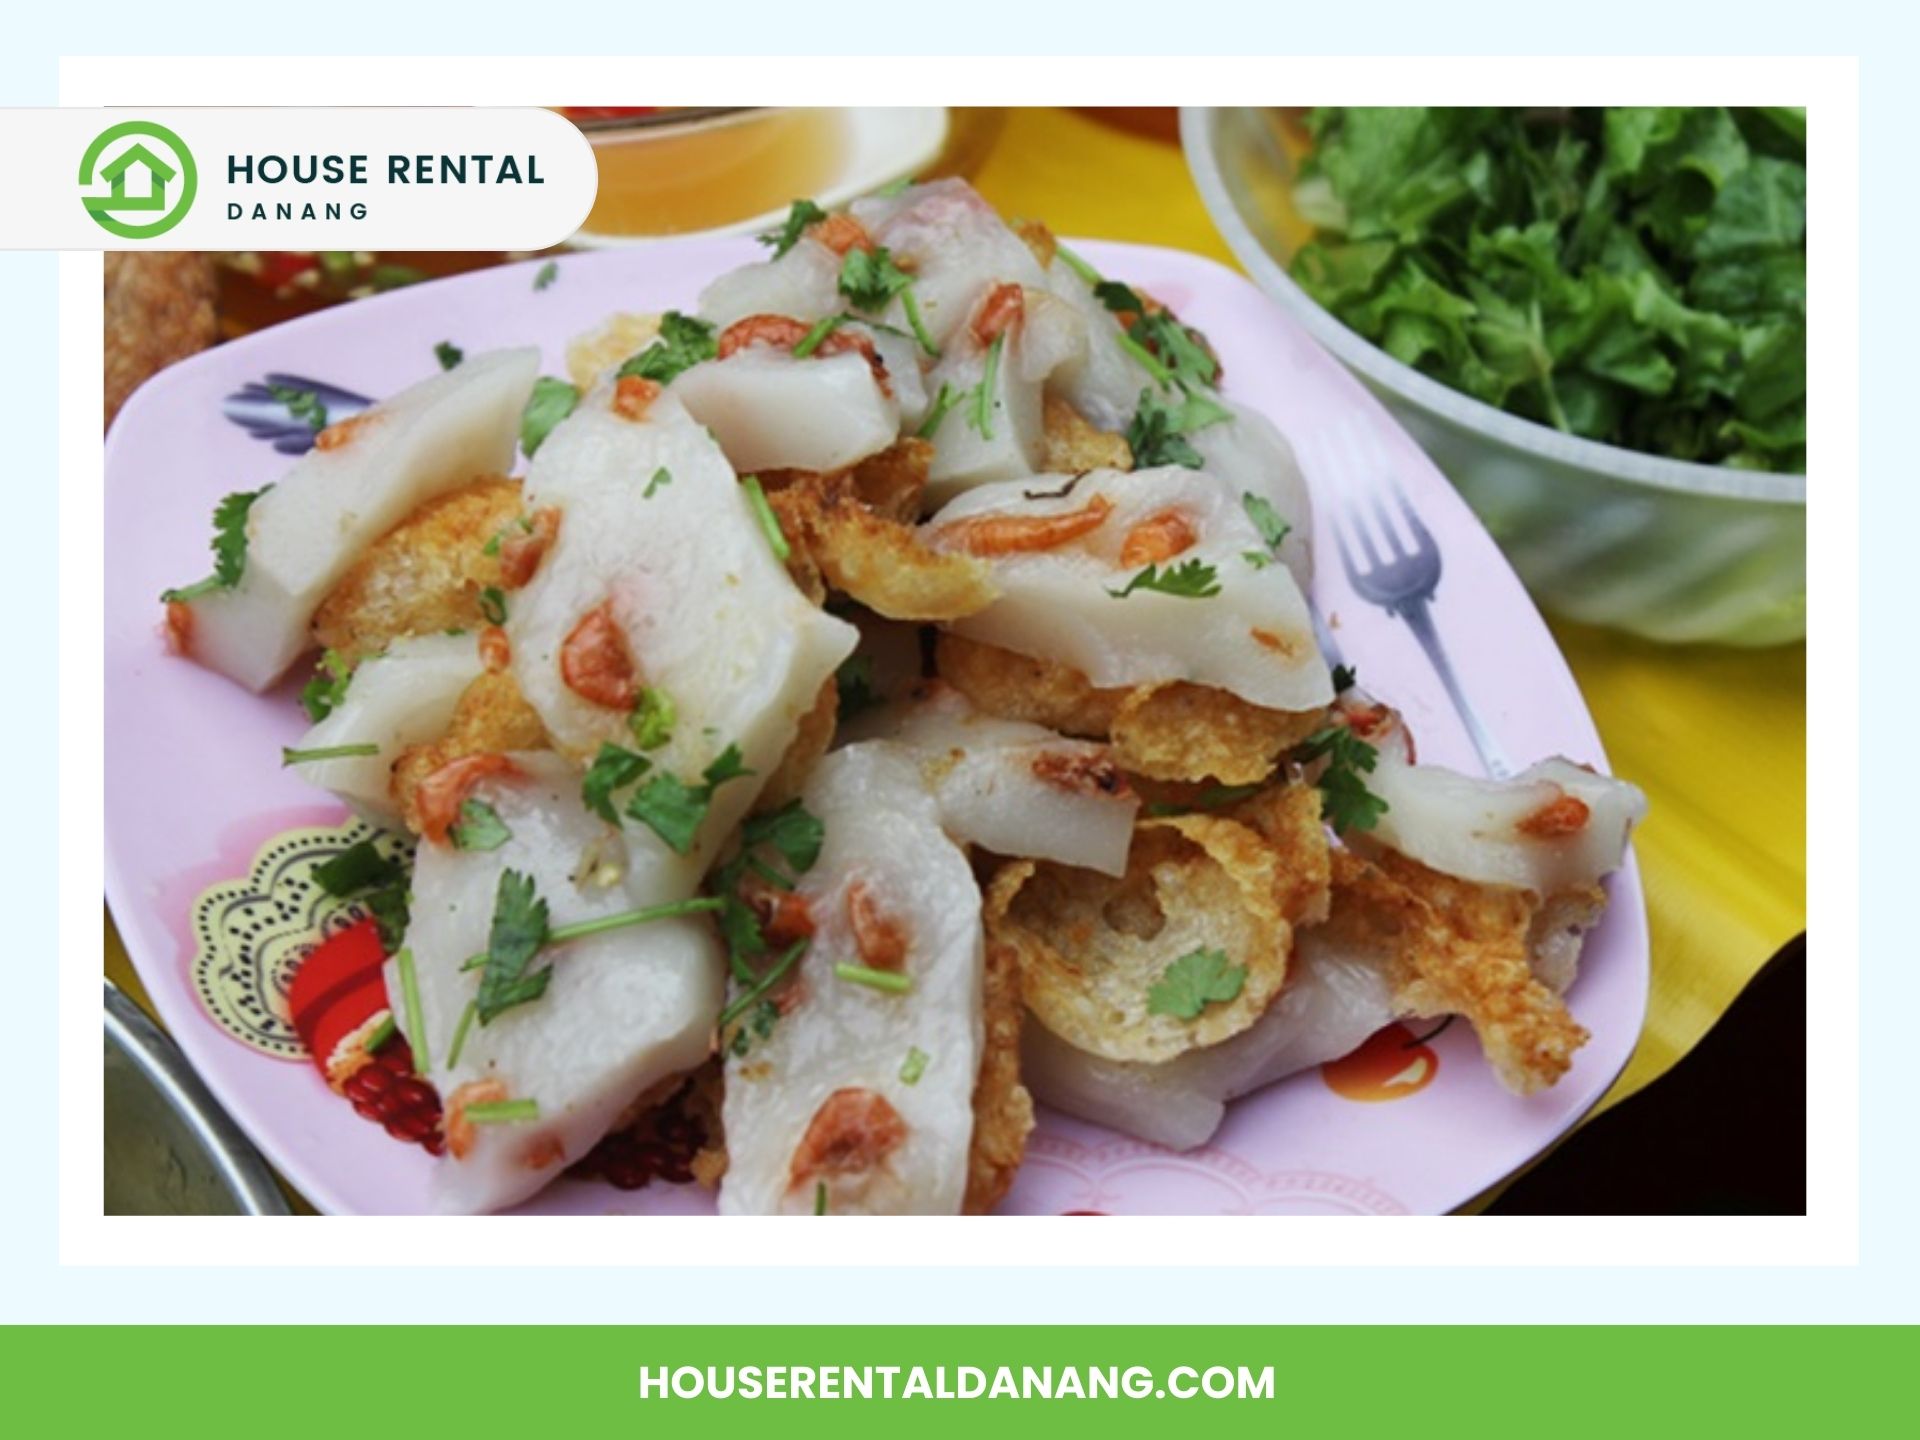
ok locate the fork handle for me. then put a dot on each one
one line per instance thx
(1420, 621)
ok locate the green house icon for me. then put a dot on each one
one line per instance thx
(159, 175)
(150, 185)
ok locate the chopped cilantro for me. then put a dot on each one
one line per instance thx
(815, 336)
(889, 981)
(519, 929)
(800, 215)
(1258, 559)
(769, 522)
(479, 827)
(613, 769)
(661, 478)
(758, 1025)
(501, 1112)
(1157, 434)
(229, 546)
(1344, 679)
(1343, 790)
(914, 1066)
(1179, 356)
(1265, 519)
(683, 342)
(321, 695)
(493, 605)
(551, 402)
(382, 1033)
(1189, 580)
(302, 405)
(870, 278)
(358, 867)
(448, 354)
(410, 999)
(546, 275)
(391, 908)
(796, 832)
(290, 756)
(936, 412)
(1196, 980)
(653, 718)
(1076, 264)
(980, 415)
(674, 810)
(762, 983)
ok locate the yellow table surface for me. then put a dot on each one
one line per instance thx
(1717, 738)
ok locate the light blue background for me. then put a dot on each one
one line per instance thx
(1882, 1287)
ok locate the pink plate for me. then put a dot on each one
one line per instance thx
(199, 812)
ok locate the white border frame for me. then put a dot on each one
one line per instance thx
(1828, 1235)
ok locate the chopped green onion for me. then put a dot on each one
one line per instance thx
(820, 1198)
(769, 522)
(885, 980)
(811, 341)
(914, 1066)
(460, 1031)
(580, 929)
(1148, 360)
(498, 1112)
(766, 982)
(326, 752)
(410, 997)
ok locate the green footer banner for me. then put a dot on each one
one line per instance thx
(912, 1382)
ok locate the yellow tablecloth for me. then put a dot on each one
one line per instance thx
(1717, 738)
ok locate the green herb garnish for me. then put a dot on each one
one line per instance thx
(518, 931)
(289, 756)
(410, 998)
(1343, 790)
(493, 605)
(674, 810)
(816, 334)
(229, 546)
(321, 695)
(769, 522)
(889, 981)
(1189, 580)
(1173, 353)
(479, 827)
(936, 412)
(914, 1066)
(358, 867)
(1196, 980)
(551, 402)
(1265, 519)
(800, 215)
(855, 683)
(501, 1112)
(653, 718)
(448, 354)
(1157, 434)
(661, 478)
(980, 413)
(614, 768)
(684, 341)
(382, 1033)
(546, 275)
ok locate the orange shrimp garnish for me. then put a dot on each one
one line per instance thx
(522, 551)
(784, 918)
(595, 662)
(1161, 536)
(841, 233)
(784, 332)
(1003, 309)
(496, 651)
(1557, 819)
(459, 1129)
(881, 939)
(440, 796)
(544, 1151)
(851, 1132)
(1024, 534)
(1080, 773)
(180, 627)
(632, 395)
(1289, 647)
(342, 431)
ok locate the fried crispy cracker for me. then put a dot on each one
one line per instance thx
(491, 717)
(422, 577)
(1073, 444)
(1002, 1108)
(616, 340)
(1091, 947)
(1171, 731)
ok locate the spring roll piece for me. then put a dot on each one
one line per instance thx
(404, 696)
(534, 1087)
(772, 411)
(362, 477)
(1138, 578)
(856, 1094)
(1010, 787)
(677, 594)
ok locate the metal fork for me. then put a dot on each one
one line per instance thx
(1401, 571)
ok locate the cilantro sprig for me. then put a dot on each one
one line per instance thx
(1196, 980)
(871, 278)
(551, 402)
(448, 354)
(675, 810)
(684, 341)
(479, 827)
(383, 879)
(1273, 530)
(323, 694)
(1348, 803)
(229, 546)
(800, 215)
(1174, 354)
(1189, 580)
(1157, 434)
(984, 401)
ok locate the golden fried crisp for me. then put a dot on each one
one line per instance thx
(424, 576)
(1559, 929)
(705, 1092)
(1464, 949)
(1002, 1108)
(1287, 817)
(1073, 444)
(1039, 239)
(616, 340)
(492, 717)
(843, 528)
(810, 742)
(1092, 947)
(160, 307)
(1172, 731)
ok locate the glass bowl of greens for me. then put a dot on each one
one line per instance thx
(1594, 321)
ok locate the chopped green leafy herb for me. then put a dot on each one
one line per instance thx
(1180, 355)
(653, 718)
(1633, 275)
(302, 405)
(758, 1025)
(800, 215)
(519, 929)
(613, 769)
(229, 546)
(661, 478)
(493, 605)
(323, 693)
(290, 756)
(1189, 580)
(546, 275)
(820, 1198)
(769, 522)
(1076, 264)
(1343, 790)
(914, 1066)
(410, 999)
(855, 682)
(479, 827)
(793, 830)
(816, 334)
(448, 354)
(1265, 519)
(674, 810)
(762, 983)
(390, 907)
(551, 402)
(1211, 798)
(1157, 434)
(1196, 980)
(985, 400)
(683, 342)
(501, 1112)
(358, 867)
(936, 412)
(870, 278)
(1344, 679)
(889, 981)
